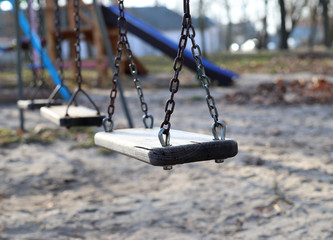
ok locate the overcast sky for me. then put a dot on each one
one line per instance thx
(254, 10)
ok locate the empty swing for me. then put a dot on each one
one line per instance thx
(38, 82)
(142, 143)
(73, 115)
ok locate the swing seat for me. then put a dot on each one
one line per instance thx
(77, 116)
(186, 147)
(36, 103)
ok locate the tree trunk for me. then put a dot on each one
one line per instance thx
(229, 27)
(313, 30)
(326, 24)
(264, 40)
(202, 28)
(283, 31)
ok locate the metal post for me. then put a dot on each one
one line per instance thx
(109, 52)
(19, 64)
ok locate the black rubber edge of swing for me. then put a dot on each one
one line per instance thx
(34, 106)
(196, 152)
(81, 121)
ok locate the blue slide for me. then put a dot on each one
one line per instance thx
(47, 61)
(155, 38)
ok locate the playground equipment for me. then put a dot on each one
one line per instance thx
(38, 73)
(34, 40)
(91, 33)
(70, 116)
(142, 30)
(21, 22)
(141, 143)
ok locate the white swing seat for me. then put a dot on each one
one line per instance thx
(186, 147)
(77, 116)
(36, 103)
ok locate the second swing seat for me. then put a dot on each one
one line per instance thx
(37, 103)
(77, 116)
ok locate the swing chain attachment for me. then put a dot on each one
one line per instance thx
(163, 142)
(122, 44)
(107, 128)
(144, 119)
(216, 137)
(174, 82)
(223, 130)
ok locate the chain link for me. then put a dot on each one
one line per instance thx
(122, 44)
(77, 42)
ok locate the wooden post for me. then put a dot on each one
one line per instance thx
(71, 23)
(100, 58)
(50, 30)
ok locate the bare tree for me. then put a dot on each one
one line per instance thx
(283, 30)
(263, 34)
(326, 23)
(202, 26)
(292, 13)
(228, 40)
(313, 5)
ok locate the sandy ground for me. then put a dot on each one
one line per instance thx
(279, 186)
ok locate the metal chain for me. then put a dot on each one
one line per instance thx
(57, 26)
(79, 80)
(137, 84)
(77, 43)
(123, 43)
(30, 49)
(196, 52)
(58, 48)
(42, 41)
(174, 82)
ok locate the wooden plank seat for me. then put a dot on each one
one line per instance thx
(77, 116)
(143, 144)
(34, 104)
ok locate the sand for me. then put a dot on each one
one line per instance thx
(279, 186)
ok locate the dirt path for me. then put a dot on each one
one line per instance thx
(279, 186)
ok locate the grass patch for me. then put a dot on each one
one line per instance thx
(196, 98)
(257, 62)
(105, 151)
(8, 137)
(157, 64)
(83, 137)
